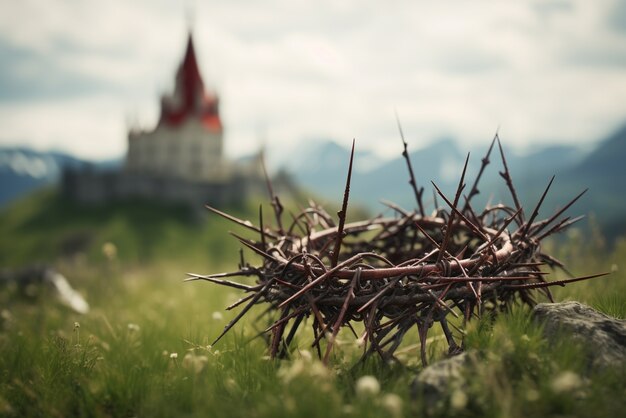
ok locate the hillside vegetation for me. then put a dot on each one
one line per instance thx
(144, 348)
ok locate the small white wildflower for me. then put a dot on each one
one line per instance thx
(289, 403)
(194, 363)
(532, 395)
(165, 353)
(109, 250)
(188, 360)
(312, 370)
(566, 382)
(77, 332)
(217, 316)
(231, 384)
(133, 327)
(489, 305)
(6, 315)
(5, 407)
(367, 386)
(202, 359)
(288, 373)
(393, 404)
(174, 356)
(525, 338)
(458, 399)
(306, 355)
(317, 370)
(347, 409)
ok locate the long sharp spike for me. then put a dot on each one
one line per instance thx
(343, 212)
(526, 228)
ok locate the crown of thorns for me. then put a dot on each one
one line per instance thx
(394, 274)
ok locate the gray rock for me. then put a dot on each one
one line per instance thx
(603, 337)
(30, 278)
(437, 381)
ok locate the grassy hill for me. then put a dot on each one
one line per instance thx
(45, 227)
(144, 348)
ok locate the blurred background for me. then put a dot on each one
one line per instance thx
(81, 82)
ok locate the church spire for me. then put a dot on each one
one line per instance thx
(190, 98)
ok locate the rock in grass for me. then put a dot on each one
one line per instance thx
(603, 337)
(436, 382)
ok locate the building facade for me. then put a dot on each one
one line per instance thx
(187, 142)
(181, 159)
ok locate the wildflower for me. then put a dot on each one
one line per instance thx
(367, 386)
(566, 382)
(304, 368)
(393, 404)
(288, 373)
(489, 305)
(77, 332)
(6, 315)
(231, 384)
(6, 319)
(217, 316)
(174, 356)
(532, 395)
(133, 327)
(5, 407)
(305, 355)
(195, 363)
(109, 250)
(458, 399)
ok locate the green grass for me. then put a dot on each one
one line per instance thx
(119, 361)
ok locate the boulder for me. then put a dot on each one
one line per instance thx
(435, 383)
(603, 337)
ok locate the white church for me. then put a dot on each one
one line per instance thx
(187, 142)
(180, 160)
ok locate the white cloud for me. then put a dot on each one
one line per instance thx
(90, 126)
(286, 71)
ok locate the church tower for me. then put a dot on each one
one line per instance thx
(187, 142)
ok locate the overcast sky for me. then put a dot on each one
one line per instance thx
(73, 73)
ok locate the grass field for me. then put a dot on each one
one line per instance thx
(143, 350)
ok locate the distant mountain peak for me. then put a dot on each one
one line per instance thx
(23, 170)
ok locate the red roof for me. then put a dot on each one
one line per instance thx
(190, 100)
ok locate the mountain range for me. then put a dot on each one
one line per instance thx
(600, 170)
(321, 167)
(23, 170)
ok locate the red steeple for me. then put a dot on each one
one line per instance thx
(190, 99)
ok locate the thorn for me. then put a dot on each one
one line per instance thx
(526, 227)
(343, 212)
(506, 175)
(405, 153)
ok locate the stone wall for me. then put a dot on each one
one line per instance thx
(95, 187)
(188, 152)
